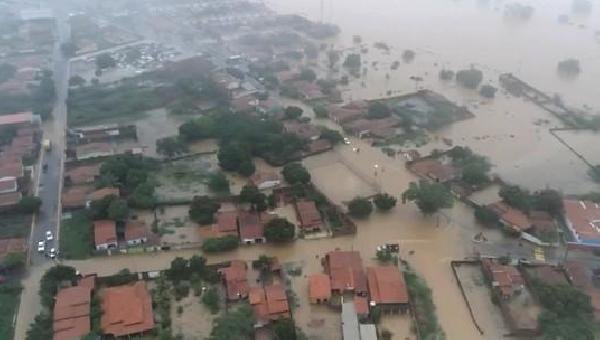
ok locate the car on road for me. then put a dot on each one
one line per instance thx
(49, 236)
(52, 253)
(346, 141)
(41, 246)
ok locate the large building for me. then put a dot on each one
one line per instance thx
(583, 220)
(127, 310)
(71, 317)
(345, 269)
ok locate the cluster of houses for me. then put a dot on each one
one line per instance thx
(126, 310)
(91, 142)
(345, 281)
(24, 144)
(353, 119)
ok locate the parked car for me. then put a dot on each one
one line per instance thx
(52, 253)
(49, 236)
(41, 246)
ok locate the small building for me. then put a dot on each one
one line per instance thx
(265, 180)
(269, 303)
(11, 168)
(75, 197)
(244, 104)
(8, 185)
(361, 306)
(127, 310)
(10, 200)
(301, 130)
(309, 217)
(84, 174)
(252, 226)
(19, 120)
(346, 272)
(434, 170)
(583, 220)
(93, 150)
(387, 289)
(506, 280)
(350, 327)
(71, 316)
(510, 217)
(319, 288)
(343, 115)
(105, 234)
(235, 280)
(135, 232)
(227, 223)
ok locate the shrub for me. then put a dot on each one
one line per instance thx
(210, 299)
(279, 230)
(360, 207)
(384, 202)
(225, 243)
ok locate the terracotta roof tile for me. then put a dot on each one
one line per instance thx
(105, 231)
(387, 285)
(236, 280)
(71, 316)
(135, 230)
(127, 310)
(319, 287)
(309, 216)
(101, 193)
(346, 271)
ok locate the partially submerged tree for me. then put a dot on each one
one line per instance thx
(217, 182)
(279, 230)
(294, 173)
(488, 91)
(470, 78)
(202, 209)
(569, 67)
(384, 202)
(293, 112)
(429, 197)
(171, 146)
(360, 207)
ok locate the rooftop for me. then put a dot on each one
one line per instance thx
(434, 170)
(236, 280)
(387, 285)
(269, 303)
(346, 271)
(71, 317)
(515, 218)
(319, 287)
(227, 221)
(583, 219)
(16, 118)
(83, 174)
(252, 224)
(10, 199)
(308, 214)
(135, 230)
(75, 197)
(105, 231)
(8, 184)
(101, 193)
(127, 310)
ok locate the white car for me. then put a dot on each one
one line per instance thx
(49, 236)
(52, 253)
(346, 141)
(41, 246)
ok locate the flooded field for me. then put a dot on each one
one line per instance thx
(584, 142)
(507, 130)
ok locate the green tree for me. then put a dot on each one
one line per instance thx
(118, 210)
(470, 78)
(360, 207)
(76, 81)
(231, 157)
(179, 269)
(14, 260)
(294, 173)
(284, 329)
(408, 56)
(210, 299)
(569, 66)
(550, 201)
(217, 182)
(353, 61)
(202, 209)
(384, 202)
(142, 197)
(308, 75)
(279, 230)
(320, 111)
(486, 216)
(51, 280)
(475, 173)
(516, 197)
(333, 57)
(247, 168)
(104, 61)
(171, 146)
(488, 91)
(293, 112)
(333, 136)
(29, 204)
(250, 194)
(40, 328)
(225, 243)
(378, 110)
(429, 197)
(198, 265)
(237, 324)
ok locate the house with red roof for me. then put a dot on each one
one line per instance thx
(135, 232)
(309, 217)
(127, 310)
(583, 220)
(511, 217)
(10, 200)
(252, 226)
(71, 316)
(319, 288)
(506, 280)
(269, 303)
(265, 180)
(387, 289)
(84, 174)
(8, 185)
(105, 234)
(235, 280)
(346, 271)
(227, 223)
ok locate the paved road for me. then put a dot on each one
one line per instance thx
(50, 182)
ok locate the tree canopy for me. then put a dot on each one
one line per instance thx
(237, 324)
(225, 243)
(429, 197)
(171, 146)
(384, 202)
(279, 230)
(202, 209)
(293, 112)
(294, 173)
(470, 78)
(250, 194)
(104, 61)
(217, 182)
(360, 207)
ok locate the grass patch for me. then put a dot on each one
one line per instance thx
(76, 236)
(10, 294)
(427, 321)
(14, 226)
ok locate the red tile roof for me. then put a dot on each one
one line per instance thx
(269, 303)
(252, 224)
(387, 285)
(72, 313)
(227, 222)
(309, 216)
(127, 310)
(10, 199)
(346, 271)
(361, 305)
(75, 197)
(506, 278)
(105, 231)
(583, 218)
(236, 281)
(83, 174)
(135, 230)
(11, 168)
(514, 218)
(434, 169)
(319, 287)
(17, 118)
(101, 193)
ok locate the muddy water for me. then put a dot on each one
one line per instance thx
(504, 129)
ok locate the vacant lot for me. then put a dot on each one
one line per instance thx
(186, 178)
(338, 181)
(76, 236)
(14, 226)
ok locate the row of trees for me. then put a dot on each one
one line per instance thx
(361, 207)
